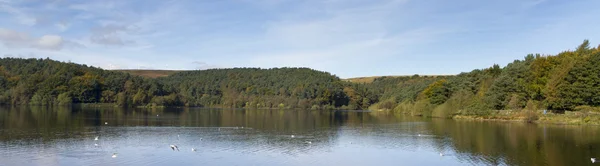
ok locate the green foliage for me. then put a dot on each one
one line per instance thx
(587, 108)
(437, 92)
(581, 85)
(64, 99)
(41, 81)
(266, 88)
(562, 82)
(510, 86)
(567, 81)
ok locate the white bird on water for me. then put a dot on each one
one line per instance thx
(96, 139)
(308, 142)
(593, 160)
(441, 154)
(193, 149)
(293, 136)
(105, 123)
(174, 147)
(114, 155)
(96, 145)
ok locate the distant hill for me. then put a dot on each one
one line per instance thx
(48, 82)
(150, 73)
(566, 81)
(370, 79)
(258, 88)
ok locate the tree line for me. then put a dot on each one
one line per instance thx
(563, 82)
(49, 82)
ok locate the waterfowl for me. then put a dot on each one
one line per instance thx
(174, 147)
(96, 139)
(114, 155)
(593, 160)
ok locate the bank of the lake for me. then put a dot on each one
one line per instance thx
(583, 117)
(522, 116)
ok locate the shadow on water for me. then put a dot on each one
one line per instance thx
(64, 136)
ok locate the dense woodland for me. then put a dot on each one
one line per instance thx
(567, 81)
(563, 82)
(49, 82)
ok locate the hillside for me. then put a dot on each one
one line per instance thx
(253, 87)
(149, 73)
(563, 82)
(49, 82)
(370, 79)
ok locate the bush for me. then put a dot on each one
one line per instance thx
(422, 108)
(65, 99)
(315, 107)
(4, 99)
(442, 111)
(531, 116)
(387, 104)
(36, 100)
(587, 108)
(405, 107)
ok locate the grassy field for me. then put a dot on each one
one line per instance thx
(370, 79)
(362, 79)
(150, 73)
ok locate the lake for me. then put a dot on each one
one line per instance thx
(66, 136)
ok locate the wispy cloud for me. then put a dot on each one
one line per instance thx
(11, 38)
(18, 13)
(346, 37)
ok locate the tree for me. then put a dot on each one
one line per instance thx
(64, 99)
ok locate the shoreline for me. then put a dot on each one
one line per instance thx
(567, 118)
(538, 117)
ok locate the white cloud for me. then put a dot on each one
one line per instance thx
(51, 42)
(111, 35)
(61, 26)
(11, 38)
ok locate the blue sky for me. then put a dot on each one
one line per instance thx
(348, 38)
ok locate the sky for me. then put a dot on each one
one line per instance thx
(348, 38)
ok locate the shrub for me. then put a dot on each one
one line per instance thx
(587, 108)
(64, 99)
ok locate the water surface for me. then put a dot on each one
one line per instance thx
(65, 136)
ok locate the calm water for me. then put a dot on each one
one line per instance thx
(42, 136)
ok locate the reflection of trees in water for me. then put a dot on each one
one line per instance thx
(492, 143)
(497, 143)
(38, 123)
